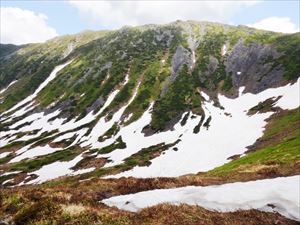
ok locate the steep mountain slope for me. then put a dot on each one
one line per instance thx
(151, 101)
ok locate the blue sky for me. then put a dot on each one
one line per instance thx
(68, 17)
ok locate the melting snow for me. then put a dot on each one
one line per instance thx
(196, 152)
(86, 170)
(193, 60)
(41, 121)
(102, 126)
(64, 137)
(36, 151)
(55, 170)
(283, 193)
(42, 85)
(9, 173)
(209, 148)
(8, 181)
(3, 90)
(4, 154)
(224, 50)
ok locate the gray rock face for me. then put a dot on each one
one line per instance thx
(92, 68)
(98, 103)
(181, 56)
(212, 64)
(248, 67)
(105, 67)
(69, 49)
(164, 34)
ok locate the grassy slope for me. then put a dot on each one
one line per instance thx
(32, 63)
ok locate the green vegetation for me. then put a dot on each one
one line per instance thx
(148, 91)
(209, 47)
(141, 158)
(175, 101)
(280, 155)
(289, 46)
(118, 144)
(102, 60)
(197, 128)
(110, 132)
(30, 212)
(265, 106)
(32, 64)
(286, 122)
(227, 85)
(34, 164)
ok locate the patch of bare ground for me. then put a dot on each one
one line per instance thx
(90, 161)
(20, 177)
(184, 214)
(32, 205)
(83, 207)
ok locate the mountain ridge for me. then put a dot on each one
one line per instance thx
(139, 108)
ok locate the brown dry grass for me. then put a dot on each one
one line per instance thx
(34, 206)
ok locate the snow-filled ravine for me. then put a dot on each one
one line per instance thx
(280, 195)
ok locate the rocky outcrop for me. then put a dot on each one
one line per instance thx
(212, 64)
(251, 65)
(181, 56)
(96, 105)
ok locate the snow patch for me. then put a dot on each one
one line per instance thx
(86, 170)
(102, 126)
(9, 173)
(3, 90)
(224, 50)
(283, 193)
(34, 152)
(4, 154)
(55, 170)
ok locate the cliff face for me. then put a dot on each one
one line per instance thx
(249, 66)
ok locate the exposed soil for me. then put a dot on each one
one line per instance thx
(90, 161)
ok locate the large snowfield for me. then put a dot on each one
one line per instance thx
(270, 195)
(231, 131)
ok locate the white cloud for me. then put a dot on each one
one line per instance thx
(19, 26)
(114, 14)
(277, 24)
